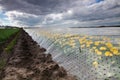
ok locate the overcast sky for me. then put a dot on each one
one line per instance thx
(59, 13)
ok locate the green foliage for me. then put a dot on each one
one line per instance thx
(6, 33)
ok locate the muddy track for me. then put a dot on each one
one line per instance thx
(28, 62)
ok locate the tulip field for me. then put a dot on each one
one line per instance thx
(88, 57)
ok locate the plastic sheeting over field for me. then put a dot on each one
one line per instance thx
(87, 55)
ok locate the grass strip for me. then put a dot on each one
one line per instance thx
(11, 44)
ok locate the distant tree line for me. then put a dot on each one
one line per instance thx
(2, 26)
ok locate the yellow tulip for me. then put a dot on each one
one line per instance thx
(87, 46)
(114, 50)
(109, 44)
(95, 64)
(107, 53)
(103, 48)
(94, 48)
(99, 53)
(111, 54)
(97, 43)
(89, 42)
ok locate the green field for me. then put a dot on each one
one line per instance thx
(6, 33)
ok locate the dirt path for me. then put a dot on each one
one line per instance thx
(28, 62)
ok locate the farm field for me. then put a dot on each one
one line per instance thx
(22, 57)
(6, 38)
(59, 39)
(6, 33)
(7, 42)
(84, 53)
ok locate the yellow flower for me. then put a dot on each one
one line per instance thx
(67, 35)
(108, 44)
(107, 53)
(111, 54)
(103, 48)
(82, 40)
(98, 52)
(114, 50)
(87, 45)
(95, 64)
(97, 43)
(89, 42)
(94, 48)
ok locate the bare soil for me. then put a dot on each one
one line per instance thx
(27, 61)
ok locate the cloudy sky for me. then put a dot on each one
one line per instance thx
(59, 13)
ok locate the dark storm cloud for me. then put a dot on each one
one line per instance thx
(34, 12)
(37, 7)
(44, 7)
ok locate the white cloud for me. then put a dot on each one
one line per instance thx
(16, 14)
(51, 18)
(22, 19)
(1, 23)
